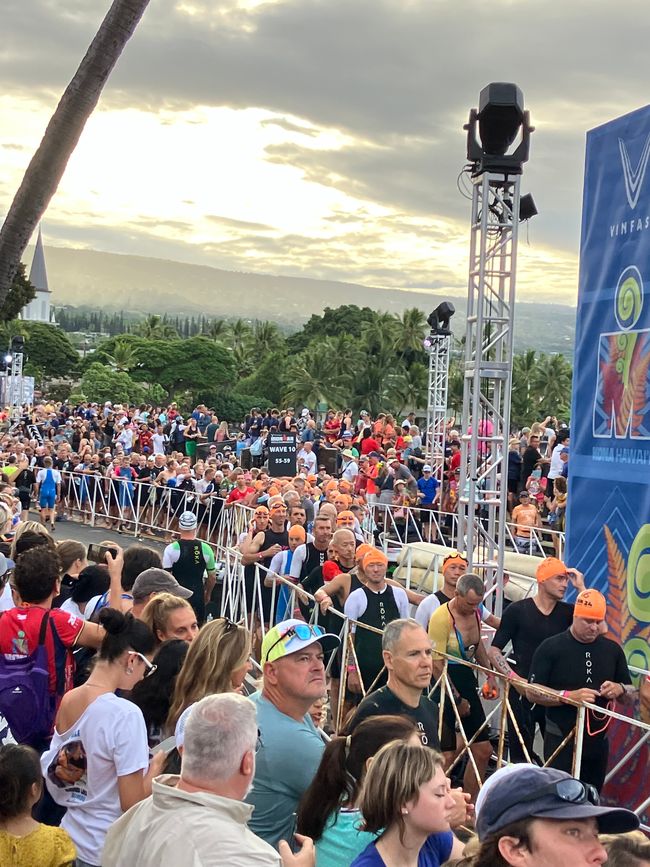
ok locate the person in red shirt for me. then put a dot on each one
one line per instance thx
(243, 492)
(368, 442)
(36, 582)
(332, 427)
(454, 460)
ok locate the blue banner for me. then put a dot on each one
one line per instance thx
(608, 508)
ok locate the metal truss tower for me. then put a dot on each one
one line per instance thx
(439, 348)
(488, 375)
(15, 386)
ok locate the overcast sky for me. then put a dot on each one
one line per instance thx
(318, 137)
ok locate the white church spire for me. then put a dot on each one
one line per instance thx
(38, 309)
(38, 272)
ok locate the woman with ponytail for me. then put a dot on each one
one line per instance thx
(328, 811)
(97, 766)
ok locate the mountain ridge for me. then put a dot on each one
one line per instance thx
(114, 281)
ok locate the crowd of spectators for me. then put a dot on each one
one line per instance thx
(140, 727)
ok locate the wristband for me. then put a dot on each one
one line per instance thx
(564, 693)
(351, 668)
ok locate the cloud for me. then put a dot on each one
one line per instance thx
(393, 79)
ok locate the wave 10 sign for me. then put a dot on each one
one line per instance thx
(608, 511)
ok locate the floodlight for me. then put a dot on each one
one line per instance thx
(17, 343)
(438, 319)
(493, 129)
(527, 207)
(8, 358)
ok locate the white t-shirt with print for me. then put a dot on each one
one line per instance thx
(109, 740)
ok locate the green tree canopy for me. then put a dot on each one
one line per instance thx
(347, 319)
(100, 383)
(49, 350)
(20, 294)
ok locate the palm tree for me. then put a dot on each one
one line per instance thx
(216, 330)
(48, 164)
(240, 334)
(552, 383)
(410, 331)
(124, 356)
(524, 368)
(155, 328)
(411, 387)
(313, 380)
(266, 336)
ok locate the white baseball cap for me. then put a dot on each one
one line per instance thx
(427, 468)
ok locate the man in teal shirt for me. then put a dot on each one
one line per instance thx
(291, 748)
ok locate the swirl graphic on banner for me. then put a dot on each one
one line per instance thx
(629, 298)
(638, 576)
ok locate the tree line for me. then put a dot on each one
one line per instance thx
(347, 356)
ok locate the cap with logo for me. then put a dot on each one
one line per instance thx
(188, 521)
(156, 580)
(590, 605)
(427, 468)
(545, 793)
(292, 635)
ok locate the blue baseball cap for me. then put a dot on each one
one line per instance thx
(545, 793)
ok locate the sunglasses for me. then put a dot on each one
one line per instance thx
(229, 625)
(149, 666)
(303, 631)
(572, 791)
(259, 743)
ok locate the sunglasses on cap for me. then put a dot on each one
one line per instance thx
(303, 631)
(572, 791)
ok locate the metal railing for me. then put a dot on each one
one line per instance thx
(500, 717)
(149, 508)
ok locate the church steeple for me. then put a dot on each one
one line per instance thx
(38, 272)
(38, 310)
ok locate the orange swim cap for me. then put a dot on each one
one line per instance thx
(374, 556)
(591, 605)
(550, 568)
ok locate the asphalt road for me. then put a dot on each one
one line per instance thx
(85, 534)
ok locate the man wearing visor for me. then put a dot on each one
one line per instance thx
(293, 663)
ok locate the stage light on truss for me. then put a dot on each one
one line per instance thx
(438, 320)
(527, 208)
(494, 128)
(8, 358)
(17, 343)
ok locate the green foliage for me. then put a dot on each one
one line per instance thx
(349, 356)
(20, 294)
(173, 365)
(231, 406)
(100, 383)
(48, 350)
(269, 378)
(348, 319)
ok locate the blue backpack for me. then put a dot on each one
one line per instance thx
(26, 702)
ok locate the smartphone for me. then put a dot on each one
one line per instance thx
(165, 746)
(97, 553)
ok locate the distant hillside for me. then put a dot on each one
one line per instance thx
(113, 281)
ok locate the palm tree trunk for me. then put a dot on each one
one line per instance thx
(62, 134)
